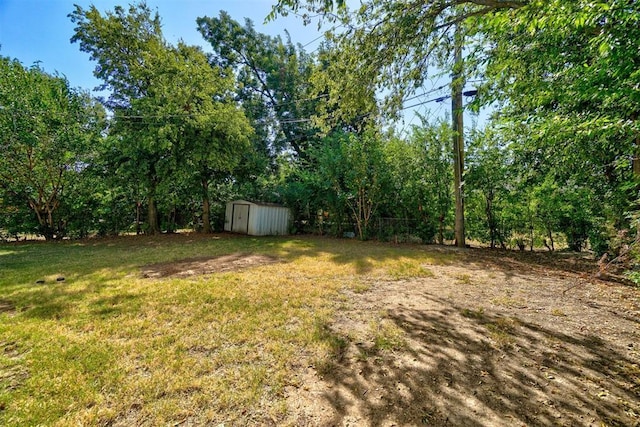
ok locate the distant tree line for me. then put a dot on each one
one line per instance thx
(181, 132)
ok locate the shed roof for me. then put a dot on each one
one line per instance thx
(277, 205)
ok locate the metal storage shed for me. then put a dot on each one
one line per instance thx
(256, 219)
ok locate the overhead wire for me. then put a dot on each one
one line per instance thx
(191, 115)
(426, 93)
(319, 37)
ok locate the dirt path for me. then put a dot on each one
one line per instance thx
(492, 339)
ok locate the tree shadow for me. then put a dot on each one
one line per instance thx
(527, 261)
(462, 367)
(77, 260)
(459, 366)
(59, 300)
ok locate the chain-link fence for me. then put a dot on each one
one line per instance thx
(401, 230)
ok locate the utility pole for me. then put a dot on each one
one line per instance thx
(458, 136)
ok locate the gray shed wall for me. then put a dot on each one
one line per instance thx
(263, 220)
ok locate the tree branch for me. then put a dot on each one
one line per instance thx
(498, 4)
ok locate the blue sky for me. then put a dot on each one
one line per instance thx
(39, 30)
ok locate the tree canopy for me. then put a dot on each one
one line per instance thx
(171, 108)
(47, 130)
(179, 131)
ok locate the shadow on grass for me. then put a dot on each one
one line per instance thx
(60, 301)
(471, 368)
(364, 257)
(24, 263)
(462, 367)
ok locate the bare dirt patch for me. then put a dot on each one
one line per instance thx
(491, 339)
(7, 307)
(206, 265)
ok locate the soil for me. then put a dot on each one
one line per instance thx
(206, 265)
(7, 306)
(494, 338)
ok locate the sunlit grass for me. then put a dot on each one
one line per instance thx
(501, 331)
(509, 301)
(387, 335)
(408, 269)
(106, 345)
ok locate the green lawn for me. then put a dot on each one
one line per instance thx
(107, 345)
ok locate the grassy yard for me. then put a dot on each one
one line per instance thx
(107, 345)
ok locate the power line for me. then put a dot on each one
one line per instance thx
(295, 121)
(439, 99)
(279, 105)
(427, 93)
(432, 90)
(335, 27)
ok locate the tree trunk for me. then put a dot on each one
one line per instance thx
(206, 208)
(531, 235)
(138, 206)
(490, 220)
(152, 215)
(635, 163)
(45, 219)
(458, 141)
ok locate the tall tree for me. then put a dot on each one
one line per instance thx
(127, 46)
(47, 132)
(208, 130)
(274, 78)
(171, 109)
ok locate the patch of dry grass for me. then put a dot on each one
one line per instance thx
(502, 331)
(108, 346)
(387, 335)
(509, 301)
(406, 269)
(464, 279)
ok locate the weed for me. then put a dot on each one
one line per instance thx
(502, 331)
(387, 335)
(558, 312)
(464, 279)
(364, 353)
(408, 269)
(360, 287)
(473, 314)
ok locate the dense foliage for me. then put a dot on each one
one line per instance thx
(260, 118)
(559, 159)
(47, 135)
(174, 120)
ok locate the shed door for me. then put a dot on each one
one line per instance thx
(240, 220)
